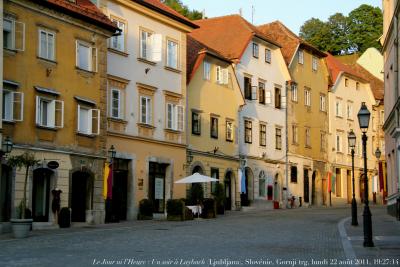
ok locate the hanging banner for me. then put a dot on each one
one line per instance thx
(329, 181)
(381, 183)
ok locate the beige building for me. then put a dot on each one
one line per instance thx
(307, 116)
(214, 102)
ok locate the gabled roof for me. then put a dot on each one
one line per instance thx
(82, 9)
(278, 32)
(166, 10)
(335, 67)
(229, 35)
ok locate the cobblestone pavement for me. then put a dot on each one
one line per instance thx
(298, 237)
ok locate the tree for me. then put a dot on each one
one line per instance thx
(365, 27)
(340, 34)
(178, 6)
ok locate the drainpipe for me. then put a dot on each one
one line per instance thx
(287, 146)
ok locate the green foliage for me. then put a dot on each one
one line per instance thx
(196, 194)
(178, 6)
(175, 207)
(341, 34)
(209, 208)
(145, 209)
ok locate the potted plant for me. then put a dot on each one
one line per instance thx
(145, 209)
(175, 210)
(209, 208)
(219, 197)
(22, 224)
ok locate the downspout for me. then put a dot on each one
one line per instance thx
(287, 145)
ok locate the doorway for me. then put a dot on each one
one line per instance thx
(5, 193)
(228, 191)
(245, 197)
(120, 189)
(41, 194)
(81, 193)
(306, 186)
(157, 185)
(349, 187)
(338, 182)
(362, 188)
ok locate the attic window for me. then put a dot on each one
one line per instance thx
(357, 85)
(346, 82)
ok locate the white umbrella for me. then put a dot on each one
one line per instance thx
(196, 178)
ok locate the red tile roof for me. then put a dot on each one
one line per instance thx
(377, 85)
(229, 35)
(83, 9)
(290, 41)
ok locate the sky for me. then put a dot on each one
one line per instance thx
(293, 13)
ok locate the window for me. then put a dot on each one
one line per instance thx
(308, 137)
(13, 105)
(146, 110)
(47, 44)
(338, 142)
(214, 128)
(307, 97)
(248, 132)
(229, 131)
(196, 123)
(86, 56)
(357, 85)
(206, 70)
(349, 111)
(172, 54)
(255, 50)
(322, 102)
(314, 64)
(13, 34)
(222, 75)
(382, 117)
(174, 117)
(267, 55)
(301, 57)
(49, 112)
(293, 174)
(338, 108)
(214, 174)
(150, 46)
(118, 42)
(346, 82)
(278, 98)
(294, 92)
(115, 104)
(88, 120)
(263, 135)
(261, 92)
(295, 136)
(247, 88)
(323, 142)
(278, 138)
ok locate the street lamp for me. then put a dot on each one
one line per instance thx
(378, 153)
(363, 120)
(352, 144)
(7, 145)
(112, 152)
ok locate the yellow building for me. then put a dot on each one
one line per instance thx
(214, 102)
(54, 105)
(307, 119)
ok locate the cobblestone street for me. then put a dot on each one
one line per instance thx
(299, 237)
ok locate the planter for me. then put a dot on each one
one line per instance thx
(21, 227)
(276, 205)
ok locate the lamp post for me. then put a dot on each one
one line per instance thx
(352, 143)
(109, 210)
(6, 146)
(363, 120)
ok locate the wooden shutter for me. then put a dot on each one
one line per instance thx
(19, 42)
(94, 59)
(218, 74)
(94, 116)
(254, 92)
(18, 106)
(78, 118)
(225, 76)
(170, 112)
(268, 98)
(181, 116)
(156, 47)
(59, 113)
(149, 117)
(51, 109)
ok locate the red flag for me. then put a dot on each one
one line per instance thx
(329, 181)
(381, 183)
(110, 182)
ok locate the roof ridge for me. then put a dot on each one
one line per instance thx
(215, 18)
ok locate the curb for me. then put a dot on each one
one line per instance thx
(347, 247)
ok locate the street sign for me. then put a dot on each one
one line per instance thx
(53, 164)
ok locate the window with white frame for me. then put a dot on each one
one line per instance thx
(263, 134)
(248, 132)
(174, 117)
(222, 75)
(300, 55)
(322, 102)
(308, 137)
(86, 56)
(338, 142)
(150, 46)
(294, 92)
(214, 127)
(307, 97)
(13, 34)
(349, 111)
(295, 136)
(278, 138)
(116, 103)
(229, 131)
(47, 44)
(88, 120)
(338, 108)
(146, 110)
(255, 50)
(206, 70)
(13, 105)
(196, 123)
(267, 55)
(382, 117)
(172, 54)
(118, 42)
(314, 64)
(49, 112)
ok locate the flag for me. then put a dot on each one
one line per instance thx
(381, 185)
(329, 182)
(242, 178)
(107, 182)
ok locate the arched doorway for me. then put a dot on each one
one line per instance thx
(81, 195)
(5, 193)
(246, 197)
(41, 194)
(228, 190)
(197, 169)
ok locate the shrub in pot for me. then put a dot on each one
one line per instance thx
(145, 209)
(209, 208)
(219, 196)
(196, 194)
(175, 210)
(188, 214)
(64, 219)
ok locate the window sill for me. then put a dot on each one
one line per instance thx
(47, 128)
(86, 135)
(117, 120)
(278, 149)
(213, 137)
(308, 147)
(248, 142)
(228, 140)
(172, 69)
(119, 52)
(196, 134)
(340, 117)
(45, 60)
(145, 125)
(9, 121)
(152, 63)
(350, 119)
(10, 51)
(87, 72)
(172, 131)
